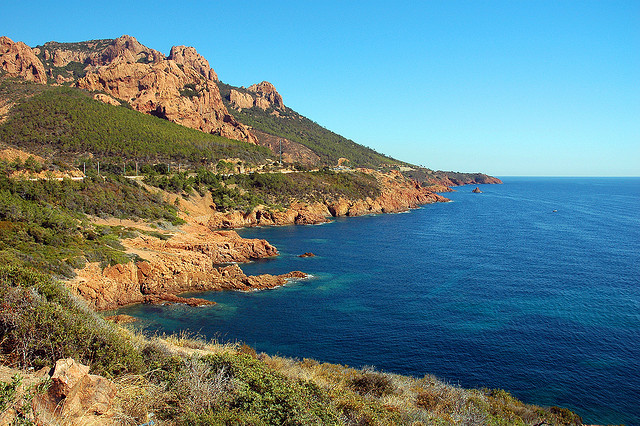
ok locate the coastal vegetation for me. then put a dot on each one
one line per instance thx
(50, 228)
(46, 224)
(276, 190)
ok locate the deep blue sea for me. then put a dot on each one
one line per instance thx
(532, 286)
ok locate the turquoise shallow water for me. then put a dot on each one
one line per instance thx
(494, 289)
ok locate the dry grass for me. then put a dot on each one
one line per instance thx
(362, 396)
(137, 399)
(202, 387)
(189, 343)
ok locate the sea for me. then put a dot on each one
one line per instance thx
(532, 286)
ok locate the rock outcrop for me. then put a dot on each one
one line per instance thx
(18, 60)
(96, 53)
(185, 263)
(76, 397)
(241, 100)
(170, 90)
(106, 99)
(181, 88)
(465, 179)
(126, 49)
(264, 95)
(186, 55)
(477, 190)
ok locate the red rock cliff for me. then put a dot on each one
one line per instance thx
(182, 264)
(181, 88)
(18, 60)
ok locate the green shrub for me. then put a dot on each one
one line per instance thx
(260, 395)
(40, 322)
(69, 123)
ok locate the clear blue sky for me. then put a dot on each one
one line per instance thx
(503, 87)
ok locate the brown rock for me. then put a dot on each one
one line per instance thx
(18, 60)
(67, 373)
(477, 190)
(266, 95)
(95, 53)
(186, 55)
(398, 194)
(126, 49)
(182, 264)
(240, 100)
(76, 396)
(307, 254)
(172, 298)
(121, 319)
(106, 99)
(164, 89)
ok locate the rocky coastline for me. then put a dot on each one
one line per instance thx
(191, 261)
(398, 194)
(203, 256)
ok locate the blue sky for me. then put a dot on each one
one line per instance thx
(503, 87)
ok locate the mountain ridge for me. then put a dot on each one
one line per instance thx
(183, 88)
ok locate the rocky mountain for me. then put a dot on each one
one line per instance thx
(180, 88)
(184, 89)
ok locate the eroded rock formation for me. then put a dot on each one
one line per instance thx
(264, 96)
(18, 60)
(180, 89)
(76, 397)
(186, 55)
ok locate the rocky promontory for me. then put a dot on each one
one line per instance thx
(189, 262)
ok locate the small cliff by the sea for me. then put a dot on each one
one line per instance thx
(397, 194)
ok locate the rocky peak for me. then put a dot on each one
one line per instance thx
(176, 93)
(266, 95)
(129, 50)
(186, 55)
(18, 60)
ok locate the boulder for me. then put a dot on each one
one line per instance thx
(76, 396)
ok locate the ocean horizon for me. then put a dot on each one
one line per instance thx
(532, 286)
